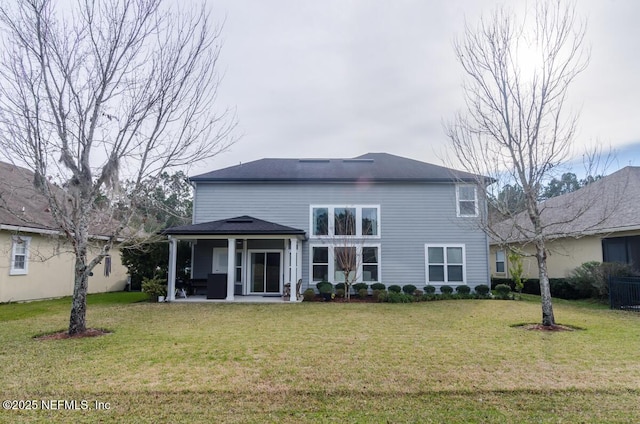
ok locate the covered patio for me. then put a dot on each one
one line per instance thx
(239, 259)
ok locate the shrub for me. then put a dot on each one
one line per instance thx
(340, 286)
(427, 297)
(325, 288)
(394, 288)
(378, 293)
(308, 295)
(446, 289)
(409, 288)
(359, 286)
(154, 287)
(463, 289)
(516, 270)
(429, 289)
(378, 286)
(340, 293)
(482, 290)
(397, 297)
(321, 283)
(381, 295)
(503, 291)
(363, 293)
(591, 279)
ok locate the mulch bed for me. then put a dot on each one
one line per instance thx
(540, 327)
(90, 332)
(354, 299)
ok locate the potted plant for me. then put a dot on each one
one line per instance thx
(155, 288)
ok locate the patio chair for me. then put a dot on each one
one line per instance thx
(287, 291)
(298, 287)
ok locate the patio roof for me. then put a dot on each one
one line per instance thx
(241, 225)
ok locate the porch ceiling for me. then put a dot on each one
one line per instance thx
(242, 225)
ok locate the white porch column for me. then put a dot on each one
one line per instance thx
(294, 270)
(171, 277)
(231, 269)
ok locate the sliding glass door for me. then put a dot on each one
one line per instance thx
(265, 272)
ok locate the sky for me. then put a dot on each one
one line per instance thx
(340, 78)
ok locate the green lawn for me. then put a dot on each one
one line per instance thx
(447, 361)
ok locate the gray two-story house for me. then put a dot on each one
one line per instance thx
(262, 226)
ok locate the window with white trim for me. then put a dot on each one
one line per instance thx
(344, 221)
(329, 261)
(19, 255)
(320, 263)
(320, 222)
(370, 263)
(466, 200)
(445, 263)
(339, 220)
(500, 260)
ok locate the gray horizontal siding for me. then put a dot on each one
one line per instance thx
(411, 216)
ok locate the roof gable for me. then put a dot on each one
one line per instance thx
(381, 167)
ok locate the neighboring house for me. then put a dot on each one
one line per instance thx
(599, 222)
(264, 224)
(37, 263)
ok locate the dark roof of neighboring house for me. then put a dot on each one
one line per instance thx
(239, 225)
(608, 205)
(377, 167)
(20, 203)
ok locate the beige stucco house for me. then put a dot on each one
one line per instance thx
(35, 263)
(599, 222)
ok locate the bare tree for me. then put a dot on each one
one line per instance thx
(349, 250)
(105, 91)
(515, 129)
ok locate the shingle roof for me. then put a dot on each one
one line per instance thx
(608, 205)
(239, 225)
(382, 167)
(20, 204)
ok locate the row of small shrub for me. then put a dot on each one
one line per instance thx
(407, 293)
(446, 292)
(410, 289)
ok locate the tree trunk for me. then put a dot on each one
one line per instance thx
(545, 289)
(77, 320)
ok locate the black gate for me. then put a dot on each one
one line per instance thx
(624, 293)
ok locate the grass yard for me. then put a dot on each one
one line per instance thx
(447, 361)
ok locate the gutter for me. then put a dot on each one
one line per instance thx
(33, 230)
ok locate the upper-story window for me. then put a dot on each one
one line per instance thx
(466, 200)
(358, 221)
(344, 223)
(320, 222)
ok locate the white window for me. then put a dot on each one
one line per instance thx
(445, 264)
(358, 221)
(344, 221)
(320, 221)
(19, 255)
(466, 200)
(328, 263)
(500, 261)
(320, 263)
(370, 263)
